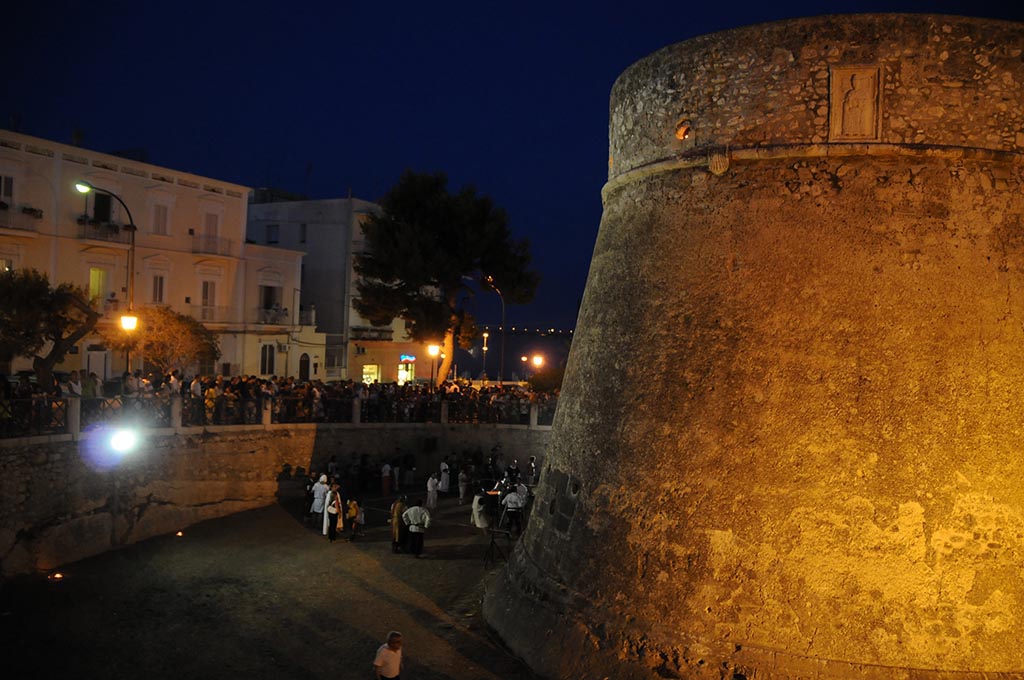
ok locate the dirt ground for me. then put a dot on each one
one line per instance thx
(260, 595)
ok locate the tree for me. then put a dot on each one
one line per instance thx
(425, 249)
(548, 379)
(166, 339)
(36, 317)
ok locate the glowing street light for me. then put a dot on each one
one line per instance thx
(486, 335)
(538, 361)
(129, 321)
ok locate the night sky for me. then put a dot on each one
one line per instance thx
(321, 98)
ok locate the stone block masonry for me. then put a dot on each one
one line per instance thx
(788, 443)
(63, 499)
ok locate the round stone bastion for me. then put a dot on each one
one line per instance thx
(791, 438)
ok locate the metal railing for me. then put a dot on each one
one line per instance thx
(212, 313)
(30, 417)
(12, 218)
(41, 415)
(215, 245)
(104, 231)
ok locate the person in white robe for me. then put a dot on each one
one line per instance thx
(478, 517)
(320, 490)
(432, 485)
(445, 482)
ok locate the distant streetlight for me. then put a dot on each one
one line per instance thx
(501, 363)
(129, 321)
(538, 361)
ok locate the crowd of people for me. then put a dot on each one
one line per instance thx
(231, 400)
(501, 494)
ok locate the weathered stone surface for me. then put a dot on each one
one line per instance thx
(788, 443)
(65, 500)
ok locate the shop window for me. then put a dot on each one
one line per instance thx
(371, 373)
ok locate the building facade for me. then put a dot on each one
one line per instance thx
(329, 231)
(190, 254)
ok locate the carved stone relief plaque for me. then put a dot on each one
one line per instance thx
(854, 104)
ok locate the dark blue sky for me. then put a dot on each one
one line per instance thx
(322, 97)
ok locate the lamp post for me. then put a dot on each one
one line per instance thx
(486, 335)
(129, 321)
(501, 362)
(433, 351)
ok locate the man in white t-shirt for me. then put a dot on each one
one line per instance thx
(388, 662)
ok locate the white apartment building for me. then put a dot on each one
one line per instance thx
(329, 232)
(190, 254)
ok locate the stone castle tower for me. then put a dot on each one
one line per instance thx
(791, 438)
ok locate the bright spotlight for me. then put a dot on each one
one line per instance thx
(124, 441)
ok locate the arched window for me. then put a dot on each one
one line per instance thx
(304, 367)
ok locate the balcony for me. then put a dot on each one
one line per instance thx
(103, 231)
(281, 317)
(371, 333)
(213, 313)
(212, 245)
(264, 315)
(18, 220)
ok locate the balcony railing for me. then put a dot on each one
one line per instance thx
(215, 245)
(280, 317)
(15, 219)
(371, 333)
(266, 315)
(213, 313)
(104, 231)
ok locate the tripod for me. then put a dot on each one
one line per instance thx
(494, 549)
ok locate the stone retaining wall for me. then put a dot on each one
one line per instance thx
(63, 499)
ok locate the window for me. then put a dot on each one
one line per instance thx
(371, 373)
(158, 288)
(267, 360)
(209, 304)
(7, 190)
(302, 233)
(206, 366)
(211, 225)
(97, 283)
(273, 233)
(160, 219)
(270, 304)
(100, 206)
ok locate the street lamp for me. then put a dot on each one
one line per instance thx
(129, 321)
(501, 363)
(433, 351)
(486, 335)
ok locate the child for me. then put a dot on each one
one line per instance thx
(354, 515)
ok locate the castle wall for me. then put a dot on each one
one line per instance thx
(62, 500)
(819, 307)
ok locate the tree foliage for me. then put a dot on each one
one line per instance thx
(166, 339)
(425, 249)
(42, 321)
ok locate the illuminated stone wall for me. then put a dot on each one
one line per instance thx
(817, 297)
(63, 500)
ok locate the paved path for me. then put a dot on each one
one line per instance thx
(259, 595)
